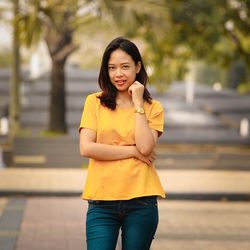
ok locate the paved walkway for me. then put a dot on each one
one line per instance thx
(58, 223)
(176, 183)
(203, 225)
(29, 221)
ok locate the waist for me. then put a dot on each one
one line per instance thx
(143, 199)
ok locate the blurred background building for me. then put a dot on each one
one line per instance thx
(196, 53)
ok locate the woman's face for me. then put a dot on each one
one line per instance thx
(122, 70)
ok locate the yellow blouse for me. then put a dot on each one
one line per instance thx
(121, 179)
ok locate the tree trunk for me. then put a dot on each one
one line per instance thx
(14, 108)
(57, 122)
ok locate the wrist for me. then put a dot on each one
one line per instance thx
(134, 151)
(138, 104)
(140, 111)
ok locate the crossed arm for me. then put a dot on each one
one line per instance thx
(90, 148)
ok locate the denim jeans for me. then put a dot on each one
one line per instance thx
(137, 218)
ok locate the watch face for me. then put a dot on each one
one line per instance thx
(140, 110)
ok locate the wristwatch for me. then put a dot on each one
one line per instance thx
(140, 111)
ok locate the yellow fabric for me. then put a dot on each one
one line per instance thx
(123, 179)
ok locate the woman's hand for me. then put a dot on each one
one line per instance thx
(136, 90)
(149, 159)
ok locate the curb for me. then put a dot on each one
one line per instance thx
(169, 196)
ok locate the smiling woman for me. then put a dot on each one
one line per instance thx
(118, 132)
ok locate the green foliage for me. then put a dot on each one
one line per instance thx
(213, 30)
(180, 30)
(30, 25)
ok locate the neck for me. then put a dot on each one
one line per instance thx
(123, 99)
(123, 96)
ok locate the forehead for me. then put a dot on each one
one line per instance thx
(119, 56)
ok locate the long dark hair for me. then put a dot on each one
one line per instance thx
(109, 92)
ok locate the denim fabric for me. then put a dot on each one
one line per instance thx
(137, 218)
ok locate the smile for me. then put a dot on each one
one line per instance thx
(120, 82)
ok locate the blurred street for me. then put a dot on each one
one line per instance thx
(58, 223)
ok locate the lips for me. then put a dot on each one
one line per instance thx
(120, 82)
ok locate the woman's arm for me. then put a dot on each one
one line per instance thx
(104, 152)
(145, 137)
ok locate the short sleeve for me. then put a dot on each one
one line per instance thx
(156, 117)
(89, 117)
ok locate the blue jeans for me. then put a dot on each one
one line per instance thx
(137, 218)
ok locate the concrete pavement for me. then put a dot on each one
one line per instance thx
(203, 225)
(50, 223)
(32, 218)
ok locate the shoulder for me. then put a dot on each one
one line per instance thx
(154, 105)
(93, 98)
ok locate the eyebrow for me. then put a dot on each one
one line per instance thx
(121, 63)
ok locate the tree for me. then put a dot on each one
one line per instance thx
(214, 30)
(180, 30)
(14, 108)
(55, 21)
(8, 11)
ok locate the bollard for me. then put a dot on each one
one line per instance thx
(217, 86)
(244, 128)
(189, 92)
(4, 126)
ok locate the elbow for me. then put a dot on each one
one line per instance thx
(145, 150)
(84, 151)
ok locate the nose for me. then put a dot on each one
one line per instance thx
(119, 72)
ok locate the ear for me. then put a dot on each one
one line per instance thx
(138, 67)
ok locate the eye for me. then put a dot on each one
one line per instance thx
(111, 67)
(125, 66)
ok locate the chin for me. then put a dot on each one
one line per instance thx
(122, 88)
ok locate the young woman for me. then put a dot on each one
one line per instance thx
(118, 132)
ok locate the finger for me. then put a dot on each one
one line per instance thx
(145, 160)
(148, 162)
(137, 83)
(151, 158)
